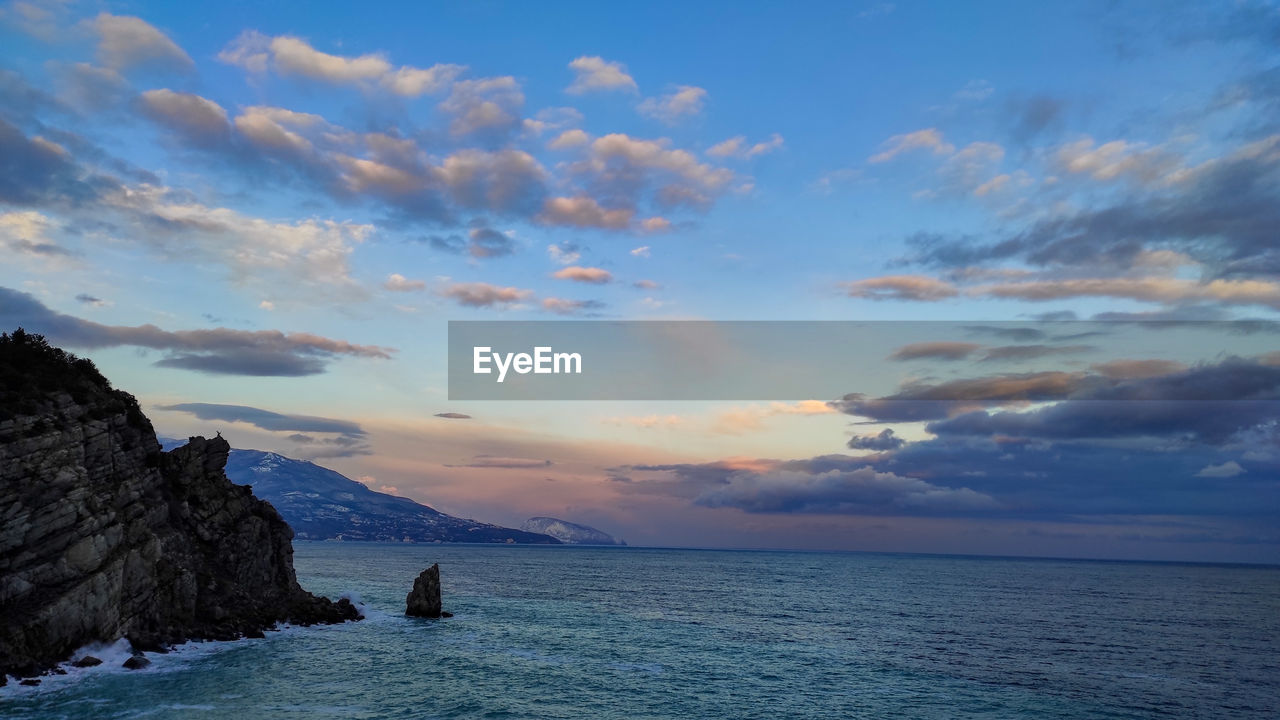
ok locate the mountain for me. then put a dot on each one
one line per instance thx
(104, 536)
(569, 533)
(321, 504)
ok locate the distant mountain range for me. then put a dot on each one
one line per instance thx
(569, 533)
(321, 504)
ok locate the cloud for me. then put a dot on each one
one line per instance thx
(479, 242)
(594, 73)
(561, 306)
(267, 353)
(876, 10)
(971, 170)
(642, 251)
(935, 350)
(584, 212)
(1205, 404)
(295, 56)
(266, 419)
(412, 82)
(1073, 481)
(564, 253)
(901, 287)
(752, 418)
(503, 463)
(593, 275)
(921, 401)
(886, 440)
(399, 283)
(453, 416)
(1116, 159)
(40, 20)
(505, 181)
(605, 187)
(126, 42)
(863, 491)
(974, 91)
(1034, 115)
(1156, 289)
(671, 108)
(488, 107)
(1150, 289)
(87, 299)
(200, 121)
(646, 422)
(738, 147)
(569, 139)
(654, 225)
(927, 139)
(91, 88)
(1228, 469)
(1220, 213)
(26, 233)
(312, 254)
(629, 170)
(290, 55)
(554, 118)
(38, 172)
(347, 439)
(1018, 353)
(250, 50)
(281, 133)
(480, 294)
(1133, 369)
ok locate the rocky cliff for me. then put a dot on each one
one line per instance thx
(103, 535)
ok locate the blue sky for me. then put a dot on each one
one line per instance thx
(353, 176)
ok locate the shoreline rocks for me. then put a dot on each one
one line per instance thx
(103, 535)
(136, 661)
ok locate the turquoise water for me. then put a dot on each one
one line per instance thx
(633, 633)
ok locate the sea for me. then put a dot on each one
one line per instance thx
(590, 633)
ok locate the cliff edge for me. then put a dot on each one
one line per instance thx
(103, 535)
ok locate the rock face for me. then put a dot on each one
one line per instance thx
(424, 599)
(103, 535)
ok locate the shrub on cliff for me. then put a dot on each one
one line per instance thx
(31, 369)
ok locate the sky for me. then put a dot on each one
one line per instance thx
(258, 218)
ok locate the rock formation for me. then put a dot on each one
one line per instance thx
(103, 535)
(424, 599)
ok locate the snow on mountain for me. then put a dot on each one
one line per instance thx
(569, 533)
(321, 504)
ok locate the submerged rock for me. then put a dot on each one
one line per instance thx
(424, 599)
(103, 535)
(137, 662)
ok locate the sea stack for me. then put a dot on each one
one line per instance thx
(424, 599)
(103, 535)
